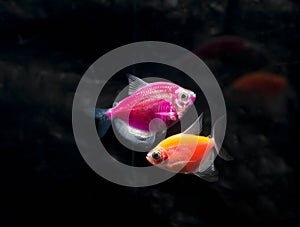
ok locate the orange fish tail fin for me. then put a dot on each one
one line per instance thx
(217, 129)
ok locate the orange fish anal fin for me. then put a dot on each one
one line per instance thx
(210, 174)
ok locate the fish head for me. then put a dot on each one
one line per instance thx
(184, 99)
(157, 155)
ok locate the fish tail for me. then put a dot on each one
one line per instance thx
(218, 128)
(103, 121)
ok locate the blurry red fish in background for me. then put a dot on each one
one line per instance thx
(261, 93)
(232, 51)
(221, 46)
(261, 83)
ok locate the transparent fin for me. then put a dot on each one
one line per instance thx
(100, 114)
(196, 127)
(157, 124)
(210, 174)
(218, 128)
(96, 113)
(208, 159)
(103, 121)
(224, 155)
(135, 84)
(160, 136)
(115, 104)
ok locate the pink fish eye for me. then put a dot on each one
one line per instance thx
(184, 96)
(193, 97)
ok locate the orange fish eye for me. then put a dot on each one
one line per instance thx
(156, 155)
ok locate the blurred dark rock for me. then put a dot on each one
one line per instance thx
(45, 48)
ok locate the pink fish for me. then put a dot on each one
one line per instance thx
(149, 108)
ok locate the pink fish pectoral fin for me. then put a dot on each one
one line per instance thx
(166, 115)
(210, 174)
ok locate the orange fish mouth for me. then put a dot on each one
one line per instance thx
(149, 158)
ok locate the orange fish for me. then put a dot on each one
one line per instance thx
(189, 153)
(261, 83)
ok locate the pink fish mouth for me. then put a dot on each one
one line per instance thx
(193, 97)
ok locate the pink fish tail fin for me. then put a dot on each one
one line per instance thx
(103, 121)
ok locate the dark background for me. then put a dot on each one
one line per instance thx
(45, 48)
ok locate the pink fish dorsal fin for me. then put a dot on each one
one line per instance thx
(135, 84)
(196, 127)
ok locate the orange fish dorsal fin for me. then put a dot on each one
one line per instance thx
(196, 127)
